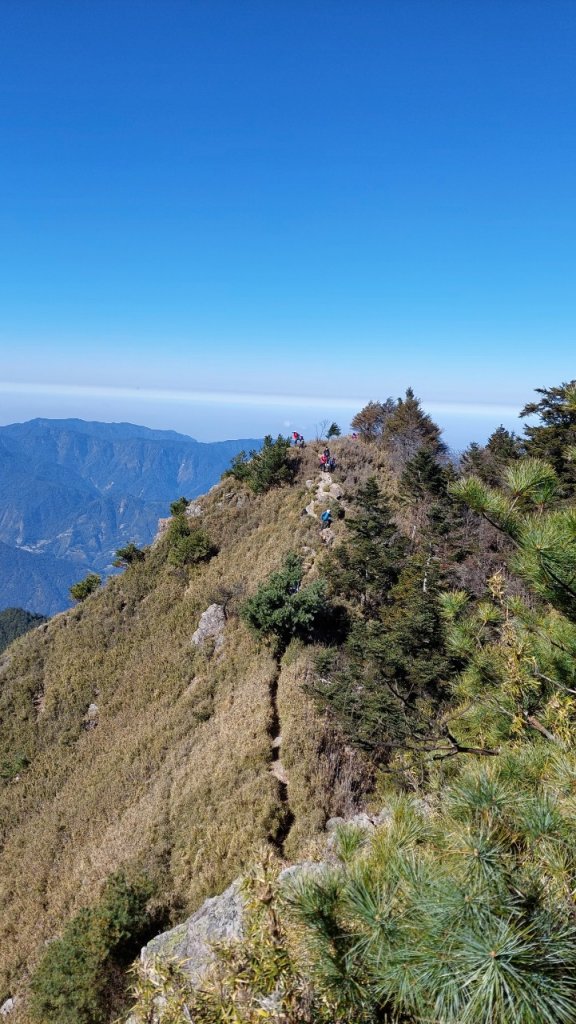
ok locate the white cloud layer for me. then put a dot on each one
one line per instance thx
(239, 398)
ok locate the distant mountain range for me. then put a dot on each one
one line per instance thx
(72, 492)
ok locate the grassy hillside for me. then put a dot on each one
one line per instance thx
(169, 772)
(428, 635)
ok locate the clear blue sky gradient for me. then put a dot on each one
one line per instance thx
(329, 200)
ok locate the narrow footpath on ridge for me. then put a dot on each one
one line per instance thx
(282, 831)
(325, 490)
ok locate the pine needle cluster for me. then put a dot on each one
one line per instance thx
(457, 912)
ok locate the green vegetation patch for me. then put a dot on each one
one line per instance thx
(81, 974)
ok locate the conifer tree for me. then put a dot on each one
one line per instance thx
(552, 438)
(386, 684)
(408, 429)
(422, 477)
(520, 654)
(527, 509)
(489, 461)
(367, 564)
(269, 467)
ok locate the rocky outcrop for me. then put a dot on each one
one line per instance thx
(194, 510)
(218, 919)
(91, 717)
(161, 529)
(221, 917)
(211, 627)
(364, 821)
(327, 493)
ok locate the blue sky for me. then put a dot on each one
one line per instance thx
(322, 202)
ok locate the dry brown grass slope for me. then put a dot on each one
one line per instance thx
(175, 778)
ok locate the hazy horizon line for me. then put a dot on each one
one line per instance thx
(147, 394)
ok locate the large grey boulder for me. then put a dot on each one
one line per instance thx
(218, 919)
(221, 918)
(211, 627)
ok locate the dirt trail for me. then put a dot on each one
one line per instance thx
(279, 836)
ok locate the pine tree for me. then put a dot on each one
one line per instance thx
(407, 430)
(371, 420)
(527, 509)
(423, 478)
(520, 654)
(464, 915)
(367, 564)
(269, 467)
(489, 461)
(552, 438)
(282, 608)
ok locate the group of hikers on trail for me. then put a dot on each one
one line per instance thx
(327, 461)
(327, 464)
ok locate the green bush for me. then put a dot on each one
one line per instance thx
(281, 608)
(193, 548)
(178, 508)
(81, 590)
(266, 468)
(188, 545)
(74, 980)
(128, 555)
(10, 769)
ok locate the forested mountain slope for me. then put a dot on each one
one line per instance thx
(75, 492)
(14, 622)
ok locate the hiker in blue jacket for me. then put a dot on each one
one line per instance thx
(326, 518)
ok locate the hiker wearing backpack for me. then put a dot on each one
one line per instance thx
(326, 519)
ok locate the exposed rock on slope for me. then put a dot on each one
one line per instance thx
(218, 919)
(210, 627)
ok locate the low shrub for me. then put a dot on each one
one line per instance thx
(188, 546)
(81, 590)
(282, 609)
(74, 980)
(128, 555)
(11, 769)
(267, 468)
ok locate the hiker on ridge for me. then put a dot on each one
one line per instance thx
(326, 518)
